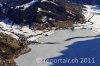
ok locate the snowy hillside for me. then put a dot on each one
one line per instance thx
(7, 26)
(92, 23)
(92, 16)
(19, 18)
(15, 29)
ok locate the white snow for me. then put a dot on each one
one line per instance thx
(95, 20)
(34, 38)
(11, 34)
(11, 29)
(27, 4)
(43, 0)
(95, 27)
(48, 32)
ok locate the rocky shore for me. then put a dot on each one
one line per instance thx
(10, 49)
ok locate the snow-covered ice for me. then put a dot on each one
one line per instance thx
(44, 51)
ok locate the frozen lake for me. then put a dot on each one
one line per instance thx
(44, 51)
